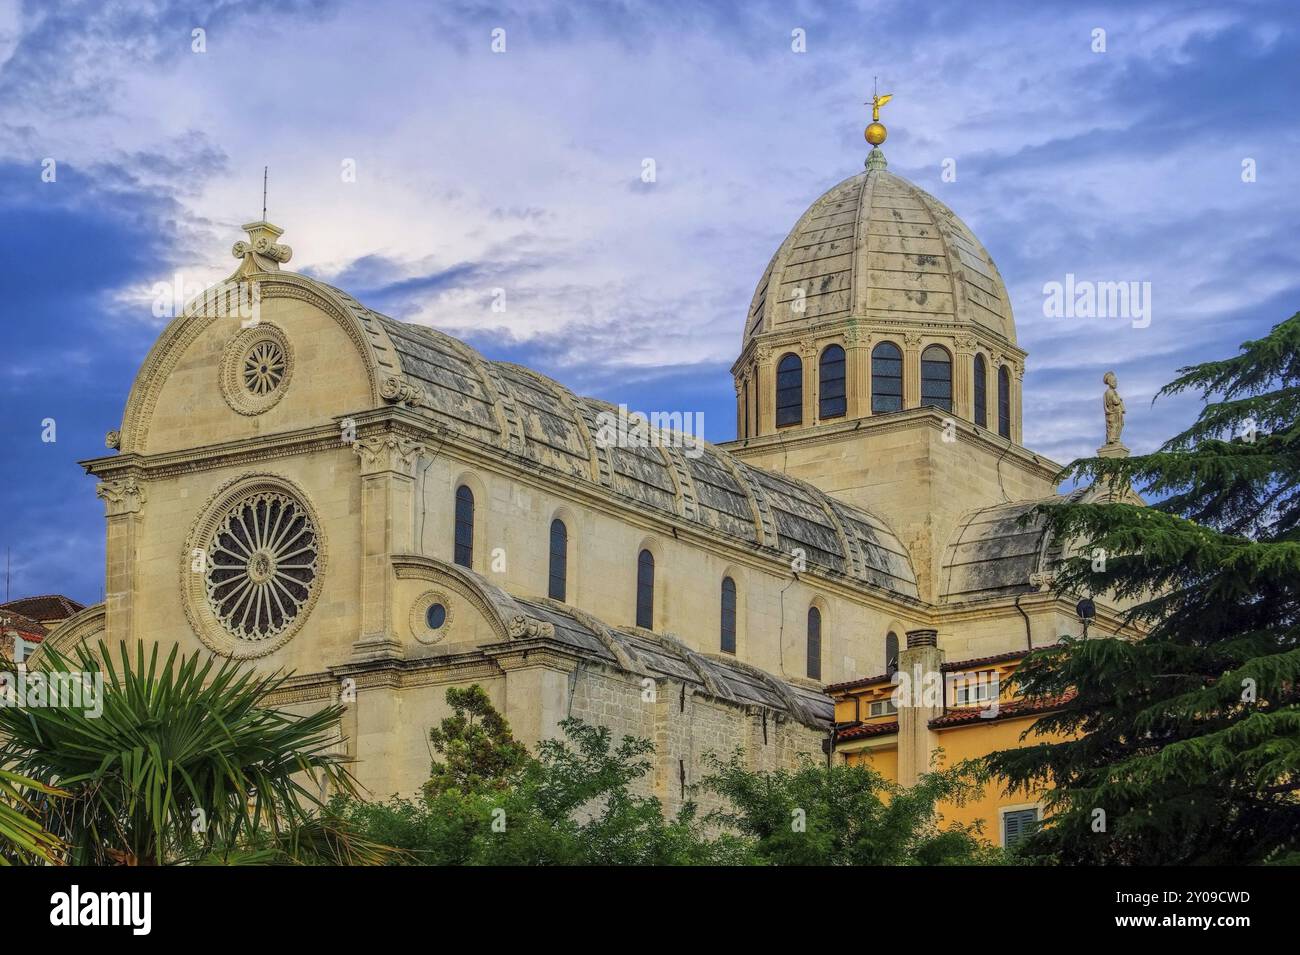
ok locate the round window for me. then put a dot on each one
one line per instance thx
(261, 565)
(256, 369)
(435, 616)
(264, 367)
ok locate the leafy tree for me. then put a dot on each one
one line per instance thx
(479, 753)
(575, 805)
(580, 801)
(1185, 744)
(846, 815)
(184, 763)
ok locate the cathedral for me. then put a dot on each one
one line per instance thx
(374, 506)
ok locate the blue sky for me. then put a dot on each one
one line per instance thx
(521, 170)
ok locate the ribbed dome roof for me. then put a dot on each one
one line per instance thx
(877, 248)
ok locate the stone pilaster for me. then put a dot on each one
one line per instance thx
(921, 666)
(857, 372)
(538, 682)
(963, 377)
(911, 370)
(1017, 414)
(765, 396)
(741, 407)
(124, 500)
(387, 529)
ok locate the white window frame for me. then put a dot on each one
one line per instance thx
(1002, 821)
(968, 682)
(887, 707)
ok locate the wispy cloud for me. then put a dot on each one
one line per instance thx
(526, 172)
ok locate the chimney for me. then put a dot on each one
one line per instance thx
(921, 665)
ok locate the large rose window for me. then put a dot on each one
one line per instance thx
(261, 566)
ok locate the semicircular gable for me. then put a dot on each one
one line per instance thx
(378, 358)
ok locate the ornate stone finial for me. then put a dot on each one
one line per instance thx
(1112, 406)
(113, 440)
(261, 253)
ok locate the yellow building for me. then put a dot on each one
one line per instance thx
(972, 712)
(304, 483)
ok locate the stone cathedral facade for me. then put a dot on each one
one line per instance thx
(383, 511)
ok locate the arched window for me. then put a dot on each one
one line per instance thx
(464, 526)
(831, 399)
(886, 378)
(789, 391)
(645, 590)
(559, 572)
(744, 410)
(891, 653)
(814, 643)
(981, 392)
(1004, 402)
(936, 378)
(728, 615)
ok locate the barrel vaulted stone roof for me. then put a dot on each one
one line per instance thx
(536, 420)
(656, 655)
(995, 552)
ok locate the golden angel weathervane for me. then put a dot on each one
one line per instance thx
(876, 132)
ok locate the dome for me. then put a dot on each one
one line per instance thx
(876, 249)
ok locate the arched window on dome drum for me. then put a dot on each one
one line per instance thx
(464, 527)
(831, 401)
(789, 391)
(886, 378)
(645, 590)
(1004, 402)
(744, 410)
(728, 642)
(558, 582)
(814, 643)
(936, 378)
(891, 653)
(981, 392)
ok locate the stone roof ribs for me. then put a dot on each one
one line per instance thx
(547, 425)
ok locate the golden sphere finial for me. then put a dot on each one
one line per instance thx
(876, 133)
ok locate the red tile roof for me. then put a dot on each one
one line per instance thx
(854, 684)
(863, 730)
(947, 668)
(984, 661)
(29, 628)
(972, 714)
(44, 607)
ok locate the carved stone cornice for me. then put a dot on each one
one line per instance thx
(387, 453)
(125, 496)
